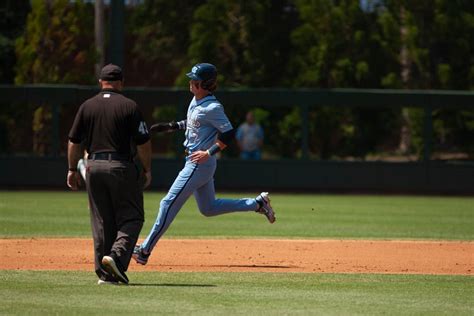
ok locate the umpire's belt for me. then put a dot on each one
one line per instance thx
(110, 156)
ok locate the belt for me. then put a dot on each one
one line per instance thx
(110, 156)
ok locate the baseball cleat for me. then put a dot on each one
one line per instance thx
(265, 207)
(103, 282)
(140, 256)
(111, 266)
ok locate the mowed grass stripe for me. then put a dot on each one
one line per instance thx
(38, 213)
(35, 292)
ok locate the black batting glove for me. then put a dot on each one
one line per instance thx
(164, 127)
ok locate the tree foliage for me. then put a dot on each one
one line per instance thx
(440, 41)
(58, 44)
(402, 44)
(12, 22)
(440, 55)
(335, 46)
(247, 39)
(159, 31)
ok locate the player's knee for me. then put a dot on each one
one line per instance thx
(207, 211)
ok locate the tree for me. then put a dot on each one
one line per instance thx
(336, 46)
(56, 47)
(230, 35)
(436, 52)
(12, 22)
(159, 31)
(58, 44)
(99, 35)
(438, 39)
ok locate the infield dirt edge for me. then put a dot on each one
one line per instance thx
(255, 255)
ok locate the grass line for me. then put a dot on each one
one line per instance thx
(65, 214)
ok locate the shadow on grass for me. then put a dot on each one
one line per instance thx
(171, 285)
(251, 266)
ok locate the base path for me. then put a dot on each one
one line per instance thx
(260, 255)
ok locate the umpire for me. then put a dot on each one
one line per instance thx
(113, 131)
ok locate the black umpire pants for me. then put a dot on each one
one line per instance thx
(116, 204)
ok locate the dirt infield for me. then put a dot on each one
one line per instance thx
(260, 255)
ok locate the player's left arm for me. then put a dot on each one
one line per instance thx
(217, 118)
(223, 140)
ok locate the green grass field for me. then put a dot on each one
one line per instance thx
(56, 214)
(25, 214)
(69, 293)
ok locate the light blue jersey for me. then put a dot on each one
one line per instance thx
(205, 119)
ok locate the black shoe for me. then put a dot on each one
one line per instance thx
(111, 266)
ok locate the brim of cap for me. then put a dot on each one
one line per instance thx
(193, 76)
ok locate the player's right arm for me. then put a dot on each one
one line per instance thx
(168, 127)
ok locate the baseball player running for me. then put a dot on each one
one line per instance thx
(207, 131)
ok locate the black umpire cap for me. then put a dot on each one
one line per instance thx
(111, 72)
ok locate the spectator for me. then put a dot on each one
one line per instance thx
(250, 138)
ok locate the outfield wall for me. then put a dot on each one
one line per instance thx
(282, 175)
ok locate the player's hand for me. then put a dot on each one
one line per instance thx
(147, 179)
(73, 180)
(199, 156)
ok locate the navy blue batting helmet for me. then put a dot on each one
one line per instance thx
(207, 73)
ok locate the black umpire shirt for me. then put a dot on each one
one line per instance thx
(109, 122)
